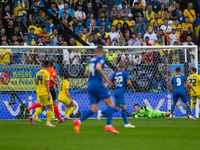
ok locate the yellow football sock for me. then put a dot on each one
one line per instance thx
(70, 111)
(38, 111)
(192, 107)
(53, 110)
(49, 116)
(66, 110)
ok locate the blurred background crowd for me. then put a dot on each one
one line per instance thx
(99, 22)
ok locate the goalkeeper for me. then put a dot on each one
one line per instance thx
(148, 113)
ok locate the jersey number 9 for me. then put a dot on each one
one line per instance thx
(178, 80)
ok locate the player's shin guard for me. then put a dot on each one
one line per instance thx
(34, 106)
(49, 116)
(192, 107)
(124, 115)
(70, 111)
(57, 112)
(172, 109)
(109, 112)
(189, 110)
(85, 115)
(66, 110)
(37, 112)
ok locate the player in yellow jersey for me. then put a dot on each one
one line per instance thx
(43, 93)
(64, 97)
(194, 80)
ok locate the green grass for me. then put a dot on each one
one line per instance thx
(149, 134)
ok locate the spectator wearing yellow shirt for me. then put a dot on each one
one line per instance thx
(112, 57)
(115, 22)
(5, 54)
(186, 24)
(149, 13)
(156, 18)
(130, 22)
(189, 12)
(178, 27)
(159, 43)
(37, 29)
(162, 13)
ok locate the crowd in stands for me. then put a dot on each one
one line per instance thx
(99, 22)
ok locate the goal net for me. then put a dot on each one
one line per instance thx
(150, 68)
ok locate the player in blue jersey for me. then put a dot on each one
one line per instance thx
(97, 91)
(178, 90)
(121, 79)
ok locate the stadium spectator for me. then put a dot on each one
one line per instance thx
(91, 20)
(159, 43)
(139, 37)
(80, 3)
(155, 27)
(180, 17)
(122, 41)
(188, 41)
(124, 11)
(6, 13)
(130, 22)
(137, 58)
(60, 40)
(157, 85)
(90, 40)
(75, 57)
(54, 10)
(51, 41)
(146, 42)
(49, 25)
(29, 61)
(111, 57)
(67, 10)
(102, 34)
(178, 27)
(135, 11)
(134, 41)
(97, 41)
(18, 55)
(175, 12)
(147, 58)
(79, 14)
(114, 36)
(172, 37)
(155, 5)
(166, 27)
(156, 18)
(96, 7)
(170, 22)
(55, 36)
(190, 13)
(149, 13)
(186, 24)
(5, 54)
(152, 36)
(104, 10)
(141, 3)
(103, 18)
(44, 32)
(108, 42)
(32, 38)
(172, 7)
(34, 13)
(140, 26)
(192, 55)
(157, 59)
(89, 10)
(162, 13)
(113, 14)
(127, 58)
(9, 29)
(115, 22)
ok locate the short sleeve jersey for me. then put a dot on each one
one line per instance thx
(94, 76)
(52, 72)
(178, 83)
(194, 80)
(42, 76)
(120, 77)
(62, 89)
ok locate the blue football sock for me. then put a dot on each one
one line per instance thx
(85, 115)
(124, 115)
(189, 110)
(172, 109)
(109, 112)
(103, 111)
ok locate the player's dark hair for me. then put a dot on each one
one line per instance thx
(122, 65)
(45, 63)
(99, 49)
(51, 63)
(178, 69)
(194, 69)
(137, 105)
(66, 75)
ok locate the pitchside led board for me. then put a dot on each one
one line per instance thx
(22, 78)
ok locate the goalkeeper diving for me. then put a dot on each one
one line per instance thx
(146, 112)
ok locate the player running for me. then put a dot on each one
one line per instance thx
(97, 91)
(64, 97)
(194, 80)
(148, 113)
(178, 90)
(121, 79)
(52, 83)
(43, 92)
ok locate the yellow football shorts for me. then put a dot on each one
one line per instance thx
(44, 100)
(65, 101)
(194, 98)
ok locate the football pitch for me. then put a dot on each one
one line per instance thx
(149, 134)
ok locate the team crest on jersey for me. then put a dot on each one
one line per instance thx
(5, 77)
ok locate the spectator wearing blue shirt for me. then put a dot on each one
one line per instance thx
(18, 55)
(67, 10)
(49, 25)
(144, 19)
(140, 26)
(134, 41)
(79, 27)
(53, 10)
(39, 3)
(51, 41)
(91, 20)
(155, 5)
(32, 38)
(102, 17)
(175, 12)
(180, 17)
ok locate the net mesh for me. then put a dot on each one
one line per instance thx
(150, 72)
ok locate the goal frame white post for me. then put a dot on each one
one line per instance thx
(195, 47)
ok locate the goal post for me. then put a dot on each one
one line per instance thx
(150, 67)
